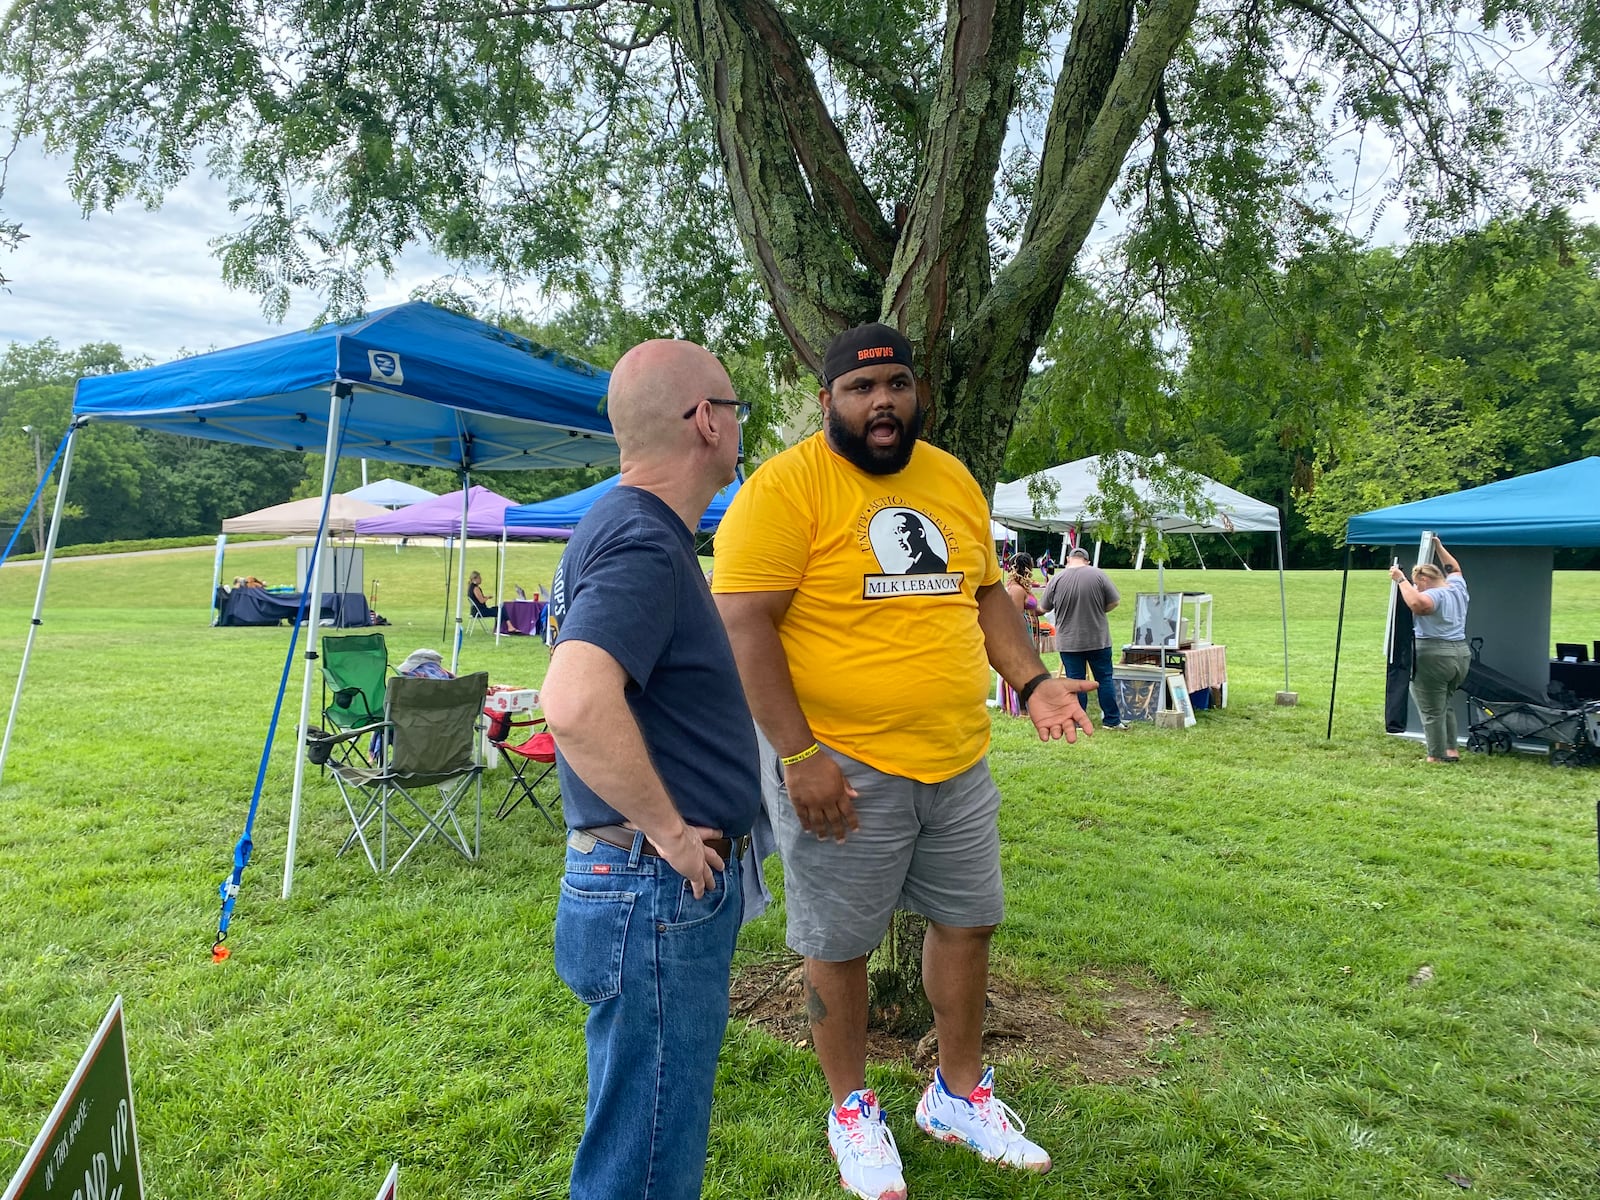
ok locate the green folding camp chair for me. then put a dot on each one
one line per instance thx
(430, 741)
(354, 668)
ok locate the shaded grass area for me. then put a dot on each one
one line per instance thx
(1288, 884)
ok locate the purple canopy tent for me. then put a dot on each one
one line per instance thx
(443, 516)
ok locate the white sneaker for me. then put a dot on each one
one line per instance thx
(859, 1138)
(981, 1122)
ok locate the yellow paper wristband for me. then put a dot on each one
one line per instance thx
(814, 748)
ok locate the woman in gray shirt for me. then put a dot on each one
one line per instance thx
(1438, 602)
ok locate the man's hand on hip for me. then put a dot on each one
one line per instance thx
(822, 797)
(688, 855)
(1054, 709)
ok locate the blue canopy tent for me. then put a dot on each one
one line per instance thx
(413, 384)
(567, 511)
(1506, 534)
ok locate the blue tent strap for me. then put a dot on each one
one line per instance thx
(229, 890)
(37, 492)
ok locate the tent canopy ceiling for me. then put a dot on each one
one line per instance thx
(390, 493)
(1078, 482)
(567, 511)
(303, 516)
(427, 387)
(441, 517)
(1556, 507)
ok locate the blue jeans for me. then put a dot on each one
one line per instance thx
(652, 963)
(1074, 662)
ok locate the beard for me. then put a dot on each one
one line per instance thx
(874, 460)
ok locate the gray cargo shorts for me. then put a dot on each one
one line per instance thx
(928, 848)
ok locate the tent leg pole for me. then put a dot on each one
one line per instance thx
(216, 574)
(500, 585)
(461, 571)
(1283, 608)
(38, 599)
(1338, 639)
(449, 579)
(313, 593)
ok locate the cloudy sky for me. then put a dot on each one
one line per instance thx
(145, 280)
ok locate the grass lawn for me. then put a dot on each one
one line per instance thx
(1288, 885)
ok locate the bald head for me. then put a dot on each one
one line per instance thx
(652, 385)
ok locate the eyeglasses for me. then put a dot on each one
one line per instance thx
(741, 408)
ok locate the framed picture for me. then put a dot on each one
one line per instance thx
(1178, 693)
(1155, 618)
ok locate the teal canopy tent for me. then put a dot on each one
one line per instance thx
(1505, 535)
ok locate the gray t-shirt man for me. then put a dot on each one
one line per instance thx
(1080, 595)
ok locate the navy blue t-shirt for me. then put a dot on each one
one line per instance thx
(630, 584)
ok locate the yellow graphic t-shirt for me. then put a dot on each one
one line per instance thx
(882, 636)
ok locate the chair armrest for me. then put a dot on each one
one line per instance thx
(348, 734)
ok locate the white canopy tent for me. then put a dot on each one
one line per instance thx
(1075, 484)
(303, 516)
(295, 517)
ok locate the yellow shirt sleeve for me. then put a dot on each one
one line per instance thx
(765, 539)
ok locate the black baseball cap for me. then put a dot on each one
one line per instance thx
(864, 346)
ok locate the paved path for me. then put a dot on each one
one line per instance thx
(208, 549)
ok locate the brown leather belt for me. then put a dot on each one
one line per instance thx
(622, 837)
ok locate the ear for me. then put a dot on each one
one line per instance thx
(825, 400)
(704, 427)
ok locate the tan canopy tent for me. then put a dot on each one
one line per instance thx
(303, 516)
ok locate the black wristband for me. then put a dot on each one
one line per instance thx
(1027, 688)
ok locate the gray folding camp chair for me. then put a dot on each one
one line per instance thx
(430, 729)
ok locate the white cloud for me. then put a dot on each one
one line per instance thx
(146, 280)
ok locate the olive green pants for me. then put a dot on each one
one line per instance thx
(1441, 668)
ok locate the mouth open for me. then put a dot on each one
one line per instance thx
(884, 431)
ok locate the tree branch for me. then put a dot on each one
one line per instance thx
(942, 265)
(511, 11)
(1100, 31)
(910, 101)
(814, 285)
(837, 187)
(1014, 316)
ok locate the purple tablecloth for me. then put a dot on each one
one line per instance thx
(524, 616)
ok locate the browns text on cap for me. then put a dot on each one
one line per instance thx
(864, 346)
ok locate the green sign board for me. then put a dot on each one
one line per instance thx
(87, 1149)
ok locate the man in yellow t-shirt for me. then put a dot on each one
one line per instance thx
(864, 602)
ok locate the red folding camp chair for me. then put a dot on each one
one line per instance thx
(537, 748)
